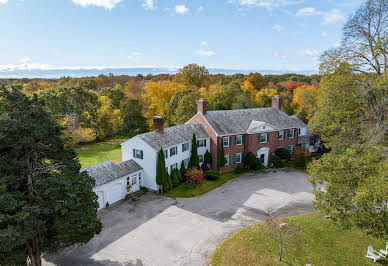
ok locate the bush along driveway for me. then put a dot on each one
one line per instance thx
(159, 230)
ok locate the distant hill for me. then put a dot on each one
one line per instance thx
(131, 71)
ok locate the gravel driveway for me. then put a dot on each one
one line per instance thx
(164, 231)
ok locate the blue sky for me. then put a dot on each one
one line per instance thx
(243, 34)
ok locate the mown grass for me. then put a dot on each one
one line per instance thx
(322, 243)
(89, 154)
(182, 191)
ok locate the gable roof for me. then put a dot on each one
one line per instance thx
(108, 171)
(173, 135)
(228, 122)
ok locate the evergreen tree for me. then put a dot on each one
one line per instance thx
(208, 158)
(194, 158)
(133, 121)
(221, 160)
(46, 203)
(183, 171)
(161, 170)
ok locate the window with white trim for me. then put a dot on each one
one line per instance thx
(173, 167)
(173, 151)
(200, 158)
(239, 140)
(185, 147)
(128, 184)
(134, 180)
(281, 134)
(225, 141)
(291, 133)
(201, 143)
(290, 148)
(263, 138)
(137, 154)
(227, 157)
(238, 157)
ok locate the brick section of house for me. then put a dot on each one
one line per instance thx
(199, 119)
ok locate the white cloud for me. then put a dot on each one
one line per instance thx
(134, 54)
(308, 11)
(203, 43)
(181, 9)
(148, 4)
(107, 4)
(281, 57)
(3, 1)
(278, 27)
(334, 16)
(314, 54)
(268, 4)
(324, 34)
(206, 52)
(200, 8)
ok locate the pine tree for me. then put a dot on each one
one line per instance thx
(194, 158)
(46, 203)
(161, 170)
(208, 158)
(183, 171)
(221, 160)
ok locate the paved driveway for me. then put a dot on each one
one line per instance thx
(164, 231)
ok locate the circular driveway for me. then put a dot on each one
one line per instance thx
(165, 231)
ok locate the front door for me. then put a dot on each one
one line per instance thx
(262, 154)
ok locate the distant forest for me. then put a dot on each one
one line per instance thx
(95, 108)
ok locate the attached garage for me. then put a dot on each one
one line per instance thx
(114, 181)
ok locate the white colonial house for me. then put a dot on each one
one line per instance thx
(115, 181)
(176, 143)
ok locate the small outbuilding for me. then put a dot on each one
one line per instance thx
(114, 181)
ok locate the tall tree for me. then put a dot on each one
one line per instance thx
(194, 158)
(116, 95)
(257, 81)
(187, 108)
(161, 174)
(173, 105)
(193, 75)
(46, 203)
(221, 160)
(351, 115)
(132, 120)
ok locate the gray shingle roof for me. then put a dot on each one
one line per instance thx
(173, 135)
(108, 171)
(226, 122)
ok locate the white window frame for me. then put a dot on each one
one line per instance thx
(238, 154)
(133, 180)
(282, 135)
(185, 146)
(293, 133)
(265, 135)
(201, 159)
(227, 157)
(223, 141)
(290, 148)
(138, 153)
(201, 143)
(239, 140)
(175, 149)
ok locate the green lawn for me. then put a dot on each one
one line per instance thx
(322, 243)
(90, 154)
(181, 191)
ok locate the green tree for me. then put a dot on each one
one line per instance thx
(173, 105)
(187, 108)
(221, 160)
(183, 171)
(46, 203)
(257, 80)
(244, 101)
(194, 158)
(193, 75)
(132, 120)
(161, 174)
(168, 185)
(208, 159)
(116, 95)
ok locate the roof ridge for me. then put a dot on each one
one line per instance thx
(258, 108)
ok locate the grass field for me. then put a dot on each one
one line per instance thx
(93, 153)
(181, 191)
(322, 243)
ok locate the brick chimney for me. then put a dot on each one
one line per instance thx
(202, 106)
(277, 102)
(159, 123)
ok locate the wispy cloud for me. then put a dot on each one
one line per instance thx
(268, 4)
(107, 4)
(334, 16)
(3, 1)
(308, 11)
(314, 54)
(204, 43)
(134, 55)
(148, 4)
(181, 9)
(278, 27)
(206, 52)
(281, 57)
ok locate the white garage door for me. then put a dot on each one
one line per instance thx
(100, 199)
(116, 193)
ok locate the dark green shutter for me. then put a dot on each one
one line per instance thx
(267, 137)
(183, 149)
(235, 140)
(230, 141)
(205, 142)
(242, 157)
(141, 154)
(134, 153)
(243, 139)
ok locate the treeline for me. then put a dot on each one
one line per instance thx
(94, 108)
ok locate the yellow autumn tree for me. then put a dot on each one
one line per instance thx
(156, 97)
(248, 87)
(304, 101)
(263, 97)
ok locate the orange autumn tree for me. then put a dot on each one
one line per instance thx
(304, 101)
(156, 97)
